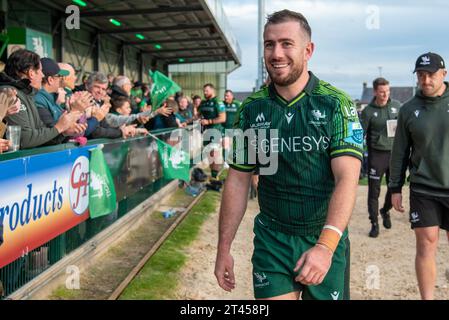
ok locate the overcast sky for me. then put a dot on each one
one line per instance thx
(350, 42)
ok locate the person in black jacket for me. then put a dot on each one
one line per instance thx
(97, 84)
(421, 144)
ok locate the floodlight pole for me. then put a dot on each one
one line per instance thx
(260, 63)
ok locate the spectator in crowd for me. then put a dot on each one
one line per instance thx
(196, 101)
(146, 95)
(122, 108)
(80, 100)
(97, 84)
(137, 95)
(122, 88)
(166, 118)
(9, 104)
(82, 86)
(23, 71)
(184, 116)
(110, 83)
(48, 103)
(110, 79)
(45, 100)
(68, 81)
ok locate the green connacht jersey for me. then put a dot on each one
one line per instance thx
(210, 109)
(320, 124)
(231, 111)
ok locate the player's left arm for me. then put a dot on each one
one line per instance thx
(346, 170)
(346, 155)
(221, 114)
(315, 263)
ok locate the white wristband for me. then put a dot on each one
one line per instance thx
(328, 226)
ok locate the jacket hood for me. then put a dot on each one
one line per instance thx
(22, 85)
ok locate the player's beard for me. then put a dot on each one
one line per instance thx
(289, 79)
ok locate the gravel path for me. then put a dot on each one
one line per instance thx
(381, 268)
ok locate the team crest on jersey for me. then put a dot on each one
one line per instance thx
(394, 110)
(417, 113)
(355, 134)
(231, 108)
(318, 118)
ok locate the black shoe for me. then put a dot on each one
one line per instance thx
(386, 221)
(374, 230)
(213, 187)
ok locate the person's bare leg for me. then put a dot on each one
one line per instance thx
(425, 265)
(288, 296)
(216, 161)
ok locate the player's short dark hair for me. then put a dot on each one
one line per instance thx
(196, 97)
(287, 15)
(230, 91)
(210, 85)
(380, 82)
(20, 61)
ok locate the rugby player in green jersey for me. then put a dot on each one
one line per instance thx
(213, 116)
(301, 239)
(421, 144)
(231, 107)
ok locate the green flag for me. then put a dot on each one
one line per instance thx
(102, 197)
(163, 87)
(175, 162)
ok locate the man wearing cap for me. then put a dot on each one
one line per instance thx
(421, 144)
(377, 118)
(49, 110)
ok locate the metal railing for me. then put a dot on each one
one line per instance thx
(219, 14)
(137, 175)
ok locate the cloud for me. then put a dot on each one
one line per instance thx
(350, 45)
(241, 11)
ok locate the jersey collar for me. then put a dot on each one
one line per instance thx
(310, 86)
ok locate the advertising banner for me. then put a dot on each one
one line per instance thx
(42, 197)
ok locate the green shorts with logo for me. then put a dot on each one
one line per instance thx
(275, 256)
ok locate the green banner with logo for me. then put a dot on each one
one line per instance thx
(163, 87)
(102, 197)
(33, 40)
(175, 162)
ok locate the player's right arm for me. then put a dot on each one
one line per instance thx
(233, 207)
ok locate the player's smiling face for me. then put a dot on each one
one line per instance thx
(286, 51)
